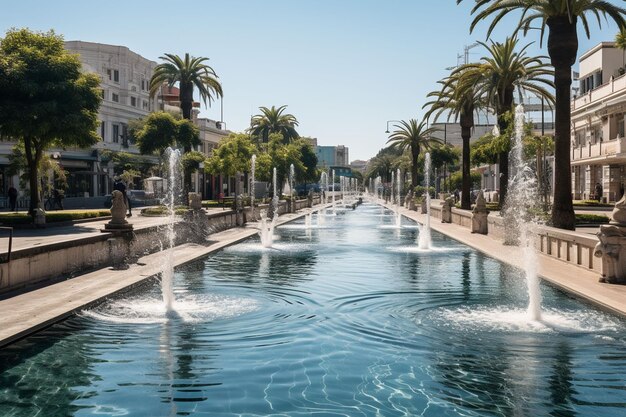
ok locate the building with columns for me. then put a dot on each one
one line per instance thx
(598, 143)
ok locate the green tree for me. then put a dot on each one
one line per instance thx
(51, 174)
(620, 42)
(309, 173)
(232, 155)
(46, 100)
(188, 73)
(561, 18)
(273, 120)
(413, 137)
(161, 130)
(497, 75)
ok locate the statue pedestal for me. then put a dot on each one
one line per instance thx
(612, 246)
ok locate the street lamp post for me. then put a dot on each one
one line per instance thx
(389, 121)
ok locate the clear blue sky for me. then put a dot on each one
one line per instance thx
(343, 67)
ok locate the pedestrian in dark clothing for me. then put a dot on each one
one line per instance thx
(121, 187)
(598, 192)
(12, 193)
(58, 198)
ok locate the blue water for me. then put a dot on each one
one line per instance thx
(344, 320)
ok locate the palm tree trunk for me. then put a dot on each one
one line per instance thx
(466, 204)
(562, 48)
(415, 154)
(186, 99)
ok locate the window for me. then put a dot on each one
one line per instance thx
(115, 97)
(620, 127)
(109, 74)
(133, 101)
(116, 133)
(116, 76)
(143, 84)
(102, 129)
(103, 94)
(144, 104)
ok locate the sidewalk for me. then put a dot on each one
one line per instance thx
(28, 238)
(29, 312)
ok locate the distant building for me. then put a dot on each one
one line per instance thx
(359, 165)
(328, 156)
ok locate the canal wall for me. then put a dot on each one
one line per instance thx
(46, 263)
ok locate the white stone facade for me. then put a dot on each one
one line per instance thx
(598, 143)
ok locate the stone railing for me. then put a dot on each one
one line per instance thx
(572, 247)
(569, 246)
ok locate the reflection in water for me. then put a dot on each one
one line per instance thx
(560, 382)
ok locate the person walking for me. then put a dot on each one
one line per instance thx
(598, 192)
(121, 187)
(12, 194)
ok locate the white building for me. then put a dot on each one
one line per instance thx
(598, 145)
(125, 78)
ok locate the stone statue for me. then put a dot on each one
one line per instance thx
(612, 246)
(195, 201)
(479, 215)
(118, 208)
(446, 210)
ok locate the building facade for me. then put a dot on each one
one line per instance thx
(125, 78)
(598, 143)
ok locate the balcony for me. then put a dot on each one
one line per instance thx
(599, 150)
(611, 89)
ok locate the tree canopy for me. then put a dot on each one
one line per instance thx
(46, 99)
(161, 130)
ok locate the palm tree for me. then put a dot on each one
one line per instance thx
(274, 121)
(189, 72)
(413, 137)
(497, 75)
(620, 42)
(561, 18)
(459, 98)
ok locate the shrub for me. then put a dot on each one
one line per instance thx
(53, 216)
(591, 219)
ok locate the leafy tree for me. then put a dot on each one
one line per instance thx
(561, 18)
(161, 130)
(309, 173)
(125, 161)
(414, 137)
(273, 120)
(51, 174)
(46, 100)
(188, 72)
(620, 42)
(456, 180)
(232, 155)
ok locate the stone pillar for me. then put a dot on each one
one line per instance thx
(479, 215)
(446, 210)
(612, 246)
(423, 205)
(309, 199)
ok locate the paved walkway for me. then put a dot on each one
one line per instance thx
(28, 238)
